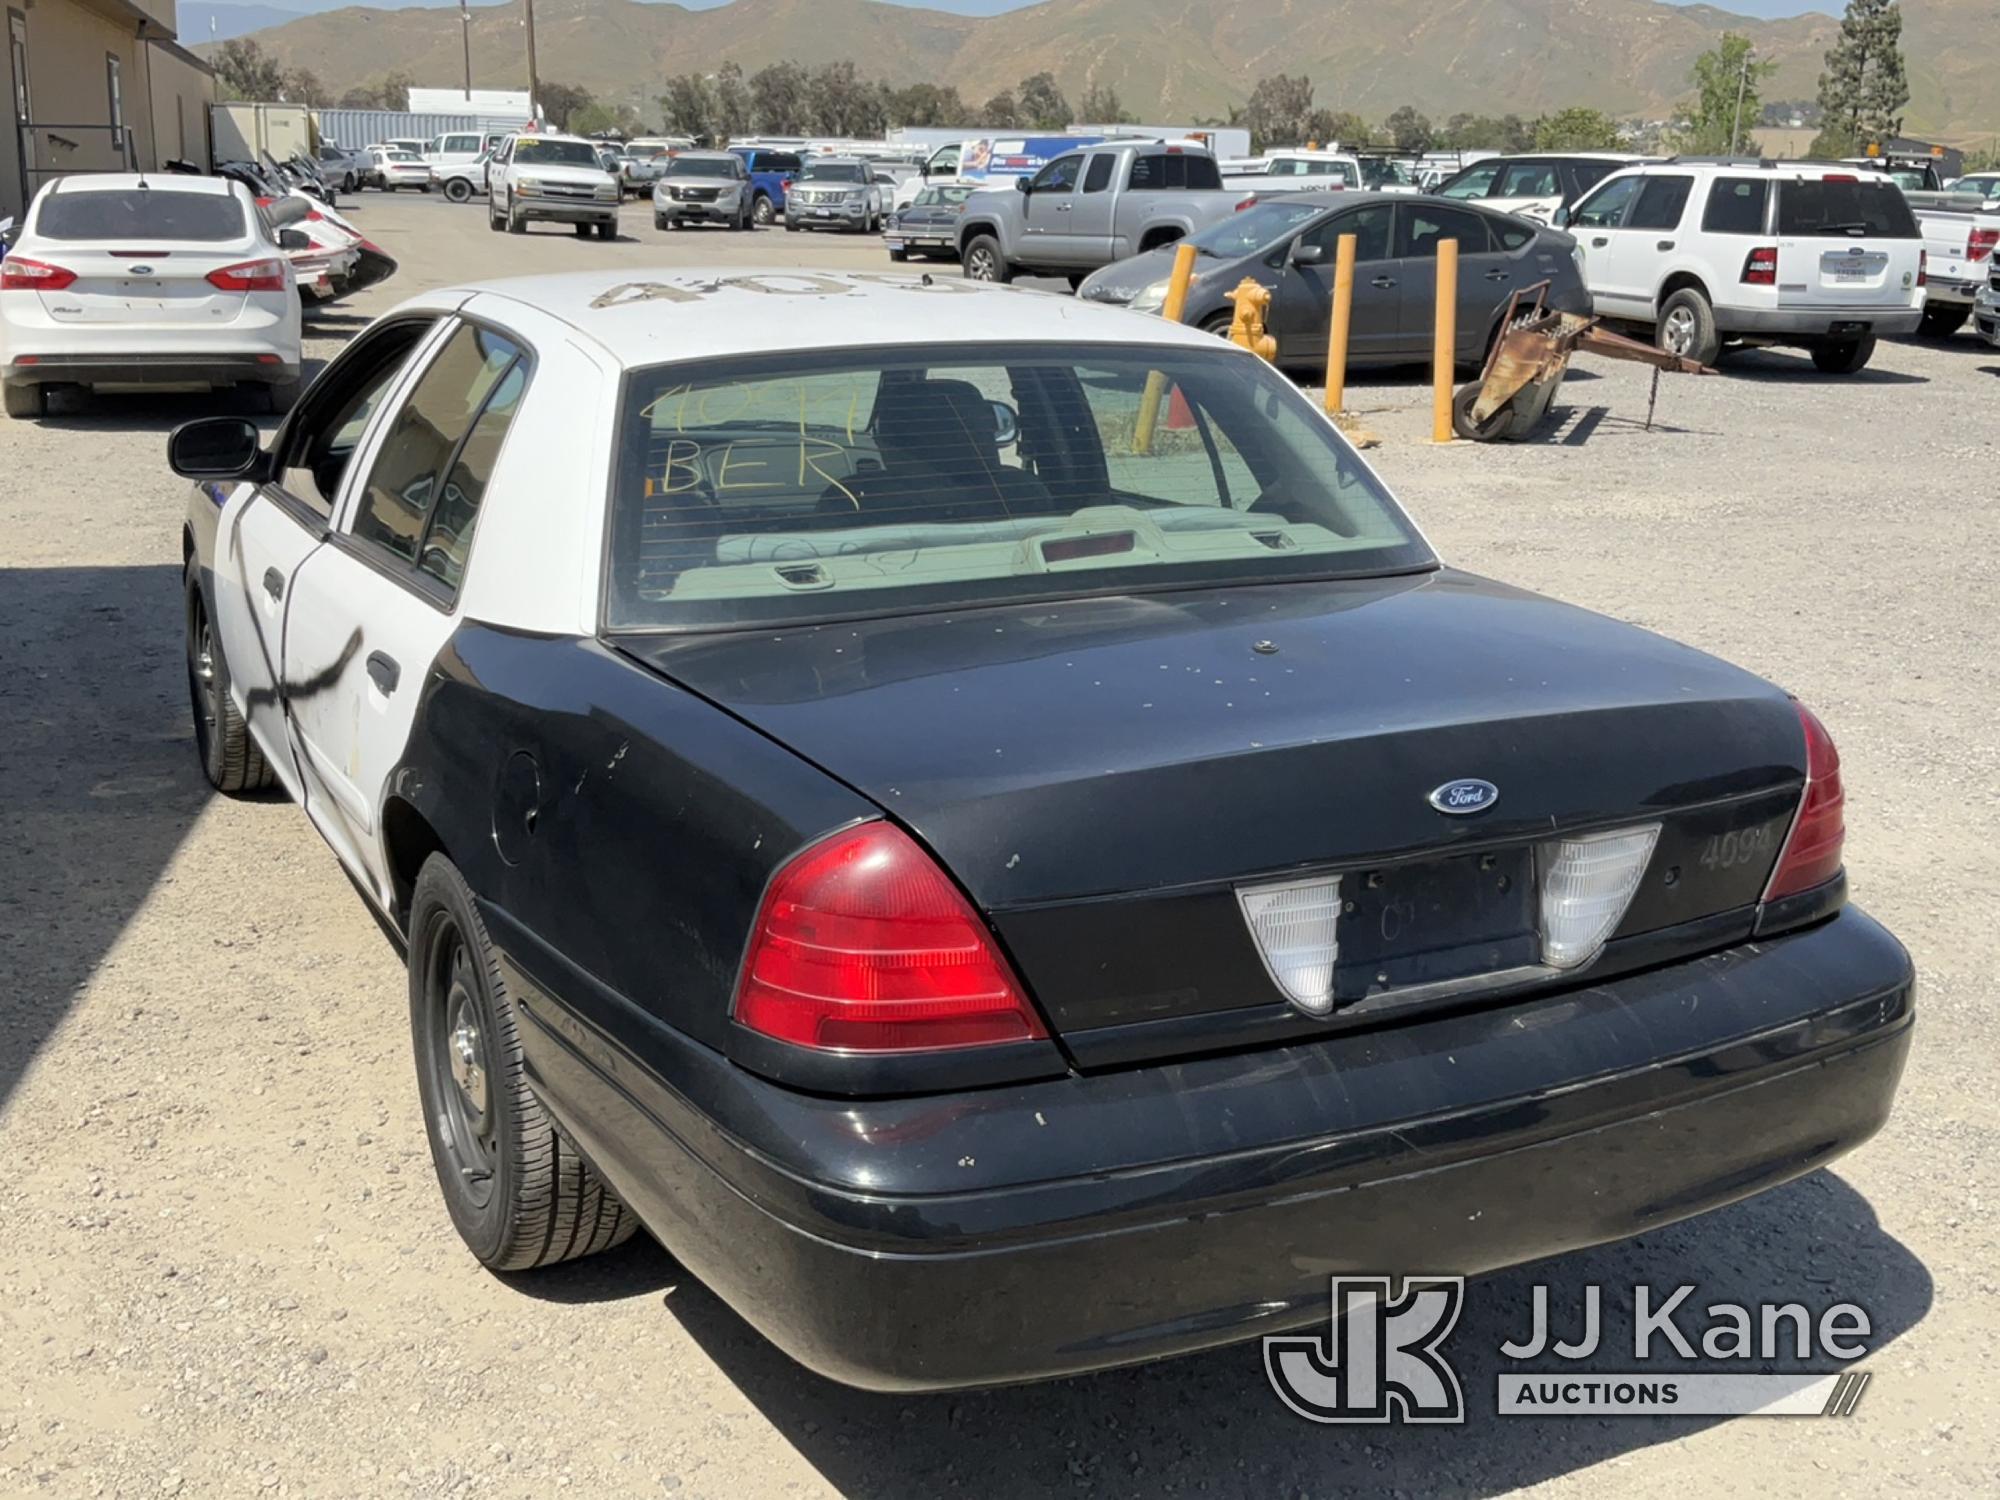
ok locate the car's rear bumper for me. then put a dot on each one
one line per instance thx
(106, 368)
(1959, 292)
(1050, 1228)
(1820, 322)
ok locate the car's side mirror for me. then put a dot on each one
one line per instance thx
(1304, 254)
(1006, 425)
(1560, 218)
(216, 448)
(294, 239)
(285, 211)
(1022, 185)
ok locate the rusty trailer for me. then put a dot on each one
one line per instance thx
(1526, 365)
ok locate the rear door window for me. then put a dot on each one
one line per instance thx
(1529, 179)
(1098, 177)
(1837, 206)
(1736, 205)
(134, 213)
(1420, 228)
(1661, 202)
(1585, 175)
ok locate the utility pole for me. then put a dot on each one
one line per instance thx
(1737, 125)
(465, 34)
(534, 83)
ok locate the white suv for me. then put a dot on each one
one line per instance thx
(1711, 253)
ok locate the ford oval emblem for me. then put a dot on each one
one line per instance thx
(1470, 795)
(142, 270)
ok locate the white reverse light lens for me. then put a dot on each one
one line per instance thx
(1295, 925)
(1587, 883)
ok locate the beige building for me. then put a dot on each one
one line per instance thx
(96, 85)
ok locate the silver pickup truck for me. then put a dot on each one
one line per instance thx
(1090, 207)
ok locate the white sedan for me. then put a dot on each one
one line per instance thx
(126, 282)
(396, 168)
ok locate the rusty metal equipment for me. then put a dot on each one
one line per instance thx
(1526, 365)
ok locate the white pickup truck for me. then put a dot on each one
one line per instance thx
(1292, 172)
(1961, 232)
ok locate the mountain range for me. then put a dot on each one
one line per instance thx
(1170, 59)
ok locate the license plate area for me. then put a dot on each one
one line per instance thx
(1435, 920)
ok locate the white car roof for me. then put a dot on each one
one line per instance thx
(670, 314)
(116, 182)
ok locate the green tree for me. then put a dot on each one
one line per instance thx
(558, 101)
(1042, 104)
(778, 99)
(927, 104)
(599, 118)
(732, 100)
(688, 106)
(1001, 112)
(1577, 129)
(1409, 130)
(1863, 90)
(302, 86)
(1279, 112)
(1341, 127)
(840, 102)
(244, 70)
(1726, 81)
(1102, 106)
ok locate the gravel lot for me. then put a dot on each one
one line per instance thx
(224, 1267)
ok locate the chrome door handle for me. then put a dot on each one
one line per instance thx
(274, 583)
(383, 670)
(1600, 242)
(1383, 281)
(1062, 208)
(1664, 245)
(1496, 275)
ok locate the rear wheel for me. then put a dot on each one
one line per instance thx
(1941, 320)
(230, 759)
(1687, 327)
(762, 211)
(583, 231)
(1844, 356)
(281, 396)
(984, 262)
(519, 1193)
(25, 402)
(458, 190)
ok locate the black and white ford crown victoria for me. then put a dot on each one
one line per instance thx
(978, 821)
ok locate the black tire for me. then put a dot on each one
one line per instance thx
(584, 231)
(899, 255)
(458, 190)
(230, 759)
(514, 225)
(762, 209)
(1845, 356)
(519, 1193)
(662, 223)
(984, 261)
(1687, 327)
(281, 396)
(25, 402)
(493, 220)
(1461, 416)
(790, 227)
(607, 231)
(1219, 323)
(1942, 320)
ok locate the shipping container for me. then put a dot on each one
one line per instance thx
(241, 131)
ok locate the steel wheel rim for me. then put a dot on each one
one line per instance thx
(1680, 331)
(461, 1067)
(981, 265)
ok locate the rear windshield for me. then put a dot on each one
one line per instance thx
(773, 489)
(555, 153)
(1175, 170)
(154, 213)
(1837, 207)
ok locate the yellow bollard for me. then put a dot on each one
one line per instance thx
(1343, 314)
(1447, 340)
(1156, 383)
(1247, 327)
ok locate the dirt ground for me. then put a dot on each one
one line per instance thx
(224, 1266)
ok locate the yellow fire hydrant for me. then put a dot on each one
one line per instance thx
(1247, 327)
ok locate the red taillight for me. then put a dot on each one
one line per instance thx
(1923, 267)
(1249, 202)
(862, 944)
(250, 276)
(1811, 854)
(1760, 268)
(785, 186)
(1981, 245)
(19, 274)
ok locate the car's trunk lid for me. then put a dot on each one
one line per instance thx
(146, 284)
(1842, 240)
(1103, 776)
